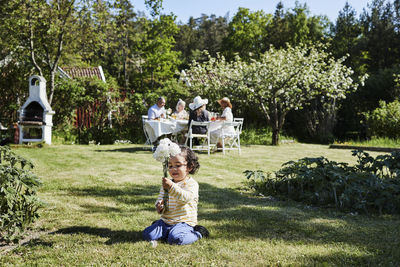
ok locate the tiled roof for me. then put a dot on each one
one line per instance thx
(75, 72)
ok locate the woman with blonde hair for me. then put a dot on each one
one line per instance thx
(180, 113)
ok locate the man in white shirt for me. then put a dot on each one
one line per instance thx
(157, 110)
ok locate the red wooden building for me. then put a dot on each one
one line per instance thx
(84, 116)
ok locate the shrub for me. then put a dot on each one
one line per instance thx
(258, 135)
(373, 184)
(385, 120)
(18, 201)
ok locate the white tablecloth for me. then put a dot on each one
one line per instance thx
(156, 128)
(215, 125)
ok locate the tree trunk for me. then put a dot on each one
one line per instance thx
(275, 122)
(275, 137)
(125, 49)
(52, 86)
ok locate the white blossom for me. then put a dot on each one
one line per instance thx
(166, 149)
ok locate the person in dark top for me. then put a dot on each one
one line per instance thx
(198, 112)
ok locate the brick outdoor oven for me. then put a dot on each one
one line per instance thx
(36, 115)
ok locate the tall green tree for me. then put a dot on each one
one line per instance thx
(13, 73)
(347, 36)
(279, 28)
(187, 40)
(381, 36)
(33, 34)
(49, 26)
(300, 27)
(95, 27)
(252, 33)
(211, 31)
(246, 33)
(160, 60)
(204, 33)
(124, 37)
(376, 52)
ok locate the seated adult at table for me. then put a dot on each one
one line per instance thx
(215, 136)
(198, 112)
(180, 113)
(157, 110)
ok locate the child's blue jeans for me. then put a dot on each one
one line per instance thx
(178, 234)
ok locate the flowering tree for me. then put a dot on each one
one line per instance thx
(278, 82)
(215, 78)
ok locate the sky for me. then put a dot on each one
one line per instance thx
(183, 9)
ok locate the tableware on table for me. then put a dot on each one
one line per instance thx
(212, 116)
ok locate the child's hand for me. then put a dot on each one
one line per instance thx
(160, 206)
(166, 183)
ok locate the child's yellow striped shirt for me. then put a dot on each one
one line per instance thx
(182, 203)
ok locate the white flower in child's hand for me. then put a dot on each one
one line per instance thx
(161, 153)
(166, 149)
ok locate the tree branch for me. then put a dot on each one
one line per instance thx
(264, 109)
(31, 46)
(53, 67)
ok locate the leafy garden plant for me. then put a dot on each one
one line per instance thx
(372, 185)
(384, 121)
(19, 203)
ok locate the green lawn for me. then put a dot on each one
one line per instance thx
(374, 142)
(100, 198)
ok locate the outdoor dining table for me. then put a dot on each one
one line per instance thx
(215, 125)
(157, 128)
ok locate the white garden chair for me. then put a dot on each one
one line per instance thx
(190, 135)
(144, 119)
(2, 128)
(239, 120)
(231, 140)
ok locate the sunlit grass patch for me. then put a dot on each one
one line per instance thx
(100, 198)
(374, 142)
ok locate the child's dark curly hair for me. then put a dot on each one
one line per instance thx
(191, 158)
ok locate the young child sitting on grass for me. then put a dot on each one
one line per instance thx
(178, 223)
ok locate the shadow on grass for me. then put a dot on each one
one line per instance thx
(341, 259)
(140, 197)
(233, 215)
(40, 243)
(143, 150)
(113, 236)
(147, 150)
(100, 209)
(230, 215)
